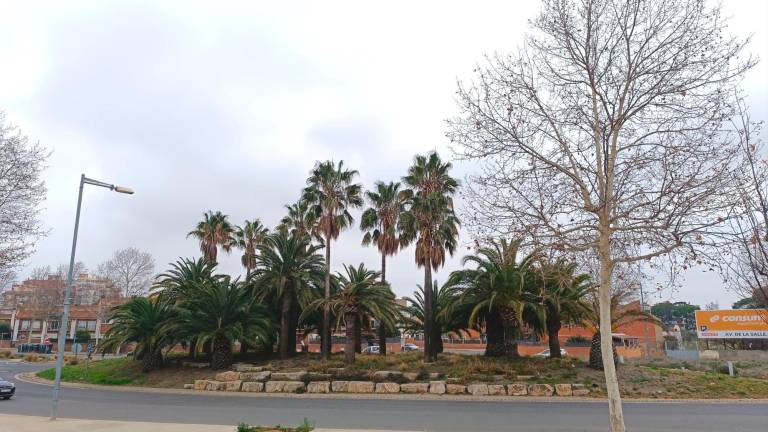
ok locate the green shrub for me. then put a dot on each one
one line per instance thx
(577, 341)
(33, 358)
(305, 426)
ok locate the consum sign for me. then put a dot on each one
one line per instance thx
(732, 323)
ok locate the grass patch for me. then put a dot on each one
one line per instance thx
(119, 371)
(306, 426)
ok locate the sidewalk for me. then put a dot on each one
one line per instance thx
(18, 423)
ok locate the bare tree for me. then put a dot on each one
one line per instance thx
(62, 270)
(604, 133)
(40, 272)
(130, 269)
(21, 192)
(746, 263)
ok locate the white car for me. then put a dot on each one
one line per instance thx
(373, 349)
(410, 347)
(545, 353)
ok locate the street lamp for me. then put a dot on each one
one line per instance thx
(68, 289)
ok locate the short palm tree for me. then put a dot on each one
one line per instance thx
(176, 283)
(450, 315)
(288, 276)
(142, 321)
(213, 231)
(331, 193)
(359, 298)
(501, 291)
(380, 222)
(220, 312)
(247, 238)
(563, 293)
(432, 223)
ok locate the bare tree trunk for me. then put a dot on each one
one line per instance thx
(429, 354)
(350, 323)
(615, 412)
(383, 331)
(325, 329)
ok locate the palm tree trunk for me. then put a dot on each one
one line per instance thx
(429, 352)
(358, 335)
(511, 331)
(596, 353)
(325, 342)
(494, 333)
(292, 330)
(285, 325)
(350, 324)
(382, 330)
(222, 353)
(151, 360)
(553, 332)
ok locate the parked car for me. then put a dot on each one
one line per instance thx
(7, 389)
(371, 349)
(545, 353)
(410, 347)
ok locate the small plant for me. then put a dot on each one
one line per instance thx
(71, 360)
(32, 358)
(305, 426)
(5, 354)
(577, 341)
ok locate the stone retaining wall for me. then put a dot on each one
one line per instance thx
(256, 380)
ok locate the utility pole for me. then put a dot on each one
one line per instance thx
(646, 354)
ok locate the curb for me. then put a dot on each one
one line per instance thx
(31, 378)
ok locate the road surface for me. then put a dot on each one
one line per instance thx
(413, 415)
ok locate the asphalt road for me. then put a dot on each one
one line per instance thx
(413, 415)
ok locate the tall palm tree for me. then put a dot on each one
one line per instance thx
(213, 231)
(451, 316)
(380, 222)
(141, 321)
(432, 222)
(220, 312)
(288, 274)
(563, 293)
(331, 192)
(301, 219)
(359, 298)
(502, 291)
(247, 238)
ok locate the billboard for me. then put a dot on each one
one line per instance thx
(732, 323)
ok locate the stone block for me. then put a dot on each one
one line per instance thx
(196, 365)
(455, 389)
(189, 386)
(414, 388)
(253, 387)
(214, 386)
(255, 376)
(580, 392)
(709, 355)
(497, 390)
(540, 390)
(339, 386)
(433, 375)
(563, 389)
(245, 367)
(361, 387)
(232, 386)
(517, 389)
(317, 376)
(228, 376)
(294, 387)
(525, 377)
(478, 389)
(319, 387)
(274, 386)
(437, 387)
(387, 387)
(337, 371)
(289, 376)
(200, 384)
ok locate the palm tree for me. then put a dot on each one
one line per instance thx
(247, 238)
(213, 231)
(451, 316)
(432, 222)
(301, 219)
(331, 193)
(359, 298)
(141, 321)
(563, 294)
(381, 225)
(288, 274)
(220, 312)
(501, 292)
(620, 296)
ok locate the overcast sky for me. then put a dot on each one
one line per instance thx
(227, 107)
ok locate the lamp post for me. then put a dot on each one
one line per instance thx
(68, 289)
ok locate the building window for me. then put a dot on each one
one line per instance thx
(24, 325)
(53, 326)
(36, 325)
(91, 325)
